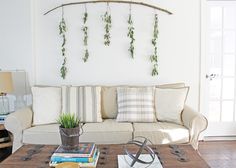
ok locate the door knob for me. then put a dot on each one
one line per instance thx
(211, 76)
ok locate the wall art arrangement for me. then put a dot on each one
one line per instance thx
(107, 22)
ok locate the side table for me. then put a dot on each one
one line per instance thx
(7, 143)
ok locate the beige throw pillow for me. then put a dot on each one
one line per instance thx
(169, 103)
(46, 104)
(109, 102)
(135, 104)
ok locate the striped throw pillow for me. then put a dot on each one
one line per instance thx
(135, 104)
(83, 101)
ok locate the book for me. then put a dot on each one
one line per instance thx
(4, 139)
(125, 160)
(82, 165)
(75, 159)
(4, 133)
(2, 118)
(72, 154)
(84, 150)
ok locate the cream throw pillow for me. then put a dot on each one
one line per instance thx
(46, 104)
(169, 104)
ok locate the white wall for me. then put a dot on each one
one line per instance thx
(15, 36)
(179, 45)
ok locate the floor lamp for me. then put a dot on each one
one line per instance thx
(6, 86)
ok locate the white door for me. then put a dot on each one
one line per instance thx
(221, 70)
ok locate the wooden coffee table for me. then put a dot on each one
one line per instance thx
(107, 159)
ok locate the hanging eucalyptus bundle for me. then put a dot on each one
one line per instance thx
(154, 57)
(62, 31)
(131, 34)
(85, 39)
(107, 21)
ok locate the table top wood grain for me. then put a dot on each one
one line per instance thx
(107, 159)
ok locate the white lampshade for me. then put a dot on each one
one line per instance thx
(6, 85)
(20, 83)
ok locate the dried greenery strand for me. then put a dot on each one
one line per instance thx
(131, 35)
(108, 24)
(62, 31)
(85, 39)
(154, 57)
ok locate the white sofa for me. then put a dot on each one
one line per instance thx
(109, 131)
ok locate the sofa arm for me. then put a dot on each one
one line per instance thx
(196, 123)
(16, 122)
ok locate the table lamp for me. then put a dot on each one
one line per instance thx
(6, 86)
(21, 88)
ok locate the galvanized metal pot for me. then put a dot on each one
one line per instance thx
(70, 137)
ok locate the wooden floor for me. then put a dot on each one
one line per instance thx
(218, 154)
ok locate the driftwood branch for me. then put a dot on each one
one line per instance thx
(111, 1)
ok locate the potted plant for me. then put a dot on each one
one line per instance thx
(69, 131)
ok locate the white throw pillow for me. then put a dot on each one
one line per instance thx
(46, 104)
(135, 104)
(83, 101)
(169, 103)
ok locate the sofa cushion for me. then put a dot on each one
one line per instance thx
(83, 101)
(65, 92)
(108, 131)
(169, 104)
(46, 104)
(42, 134)
(109, 102)
(135, 104)
(162, 132)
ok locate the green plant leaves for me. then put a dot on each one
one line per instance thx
(86, 55)
(68, 120)
(154, 56)
(85, 39)
(62, 31)
(107, 19)
(108, 24)
(131, 35)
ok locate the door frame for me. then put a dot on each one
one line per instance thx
(203, 71)
(202, 64)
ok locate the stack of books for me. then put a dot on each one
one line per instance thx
(4, 137)
(86, 155)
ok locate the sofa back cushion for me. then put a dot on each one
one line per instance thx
(169, 103)
(83, 101)
(109, 98)
(171, 85)
(135, 104)
(46, 104)
(109, 102)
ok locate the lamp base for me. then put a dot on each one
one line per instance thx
(4, 104)
(19, 102)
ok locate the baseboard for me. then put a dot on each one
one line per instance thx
(219, 138)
